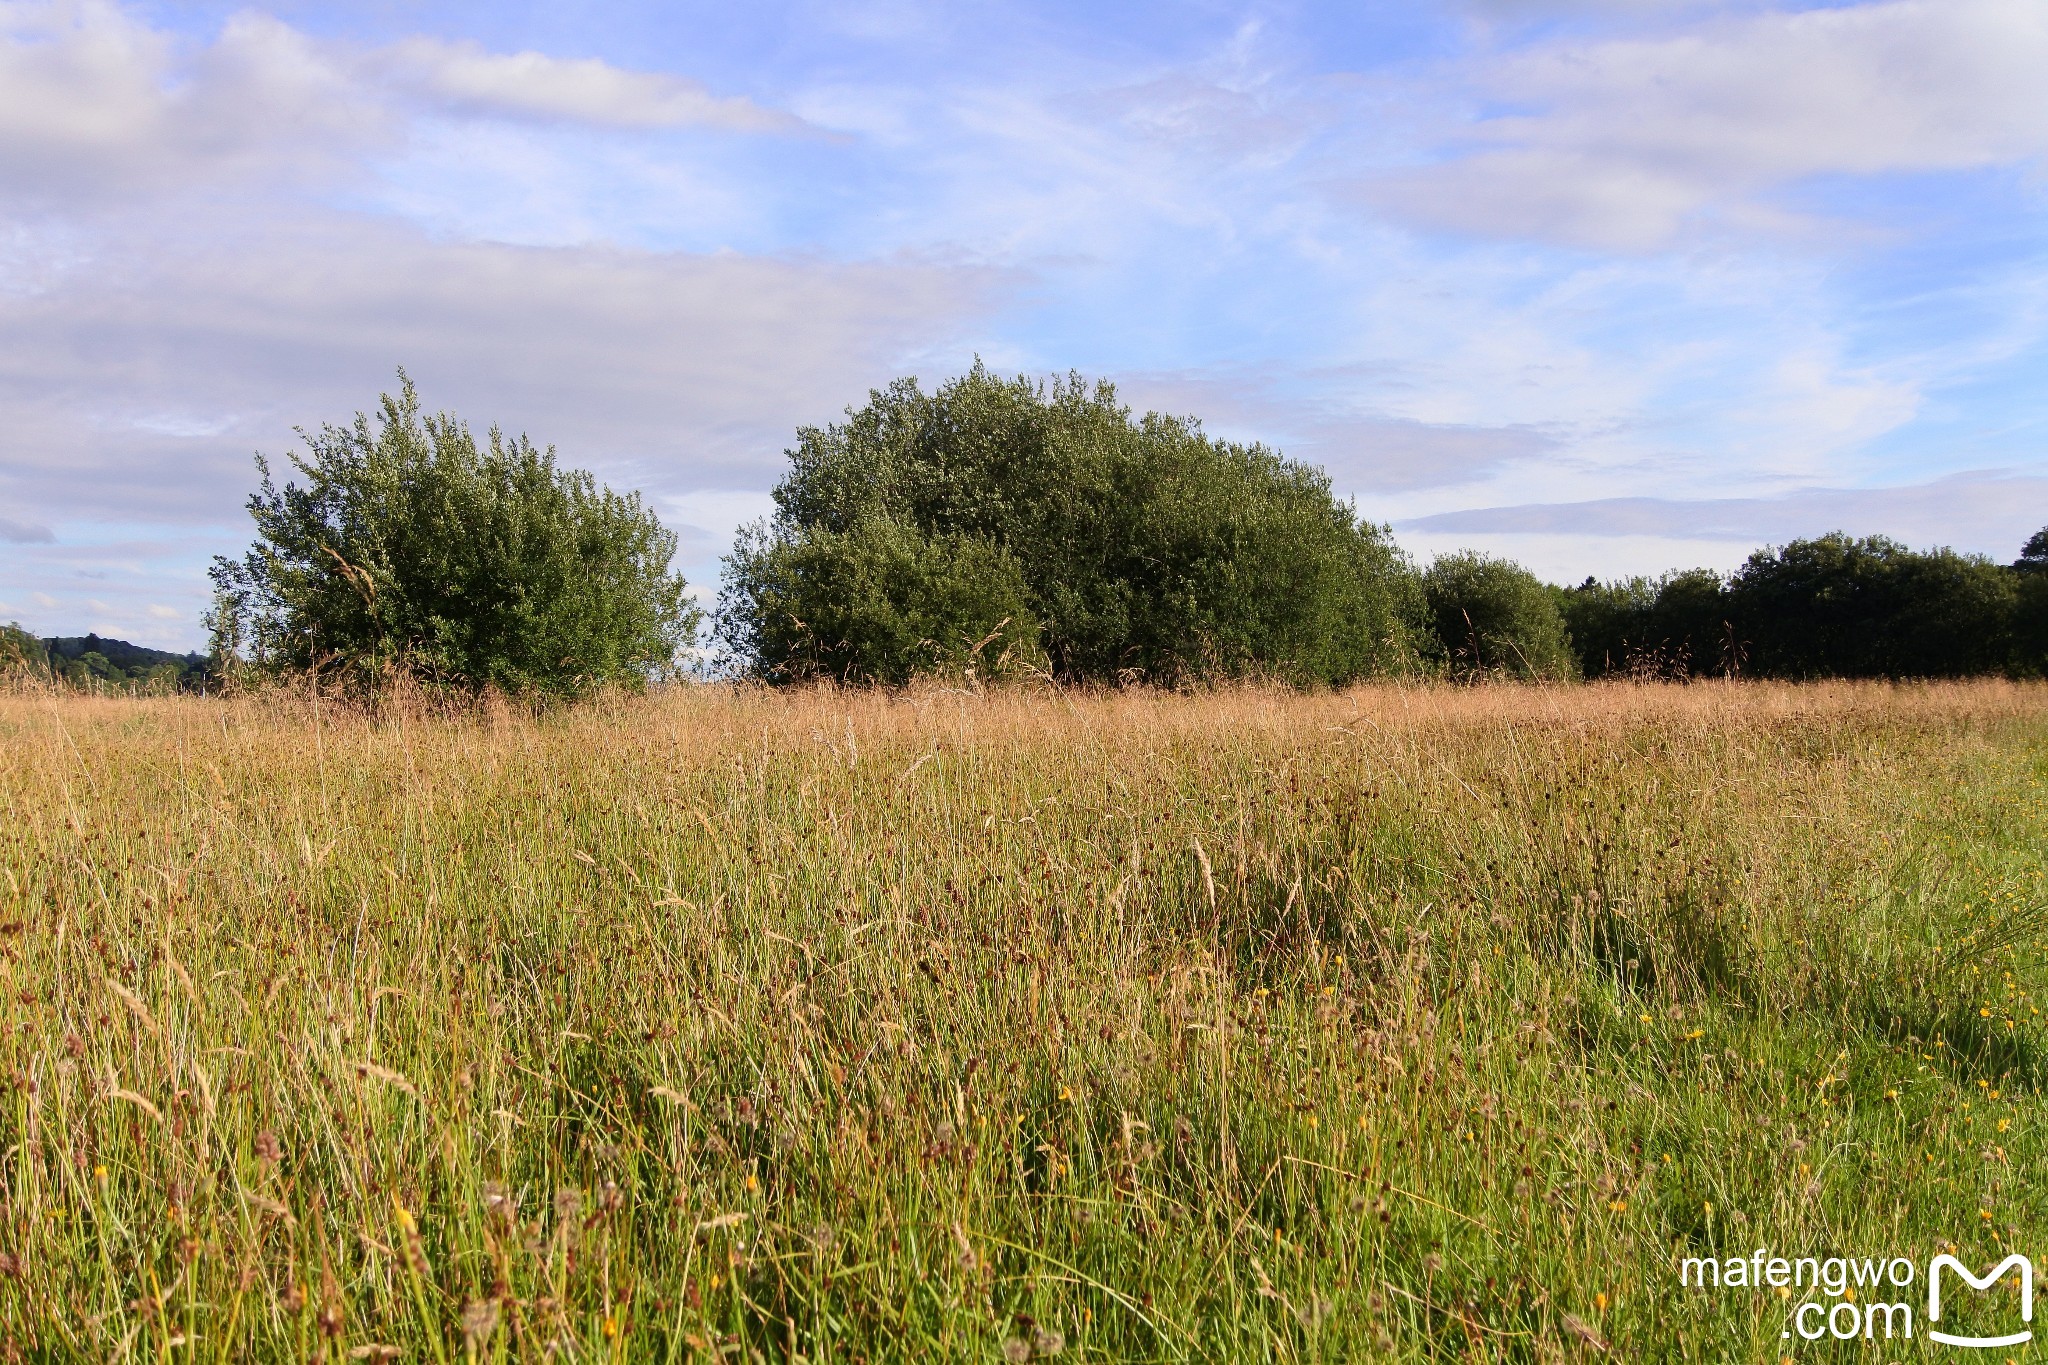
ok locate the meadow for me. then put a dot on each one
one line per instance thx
(1420, 1023)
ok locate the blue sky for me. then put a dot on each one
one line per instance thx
(1610, 286)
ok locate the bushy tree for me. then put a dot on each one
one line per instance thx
(409, 546)
(879, 602)
(1840, 606)
(1673, 627)
(21, 654)
(1492, 617)
(1042, 525)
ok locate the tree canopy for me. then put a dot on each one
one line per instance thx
(997, 526)
(1493, 618)
(1830, 606)
(410, 547)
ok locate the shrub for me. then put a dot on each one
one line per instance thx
(879, 602)
(410, 548)
(1048, 519)
(1493, 617)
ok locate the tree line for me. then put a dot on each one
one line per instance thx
(1008, 528)
(96, 663)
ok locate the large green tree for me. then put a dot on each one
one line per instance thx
(411, 547)
(1842, 606)
(999, 525)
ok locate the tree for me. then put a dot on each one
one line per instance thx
(22, 655)
(1007, 524)
(1673, 626)
(409, 547)
(1839, 606)
(2030, 607)
(1492, 617)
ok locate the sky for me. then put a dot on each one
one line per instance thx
(1607, 286)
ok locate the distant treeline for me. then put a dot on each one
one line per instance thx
(1835, 606)
(998, 529)
(1004, 527)
(94, 663)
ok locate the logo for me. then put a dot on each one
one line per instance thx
(2016, 1261)
(1839, 1296)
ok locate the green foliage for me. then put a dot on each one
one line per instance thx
(21, 654)
(411, 548)
(1107, 546)
(1673, 626)
(1492, 617)
(2034, 554)
(724, 1025)
(882, 603)
(94, 663)
(1845, 607)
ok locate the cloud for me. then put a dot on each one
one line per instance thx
(533, 85)
(1987, 511)
(99, 108)
(1623, 143)
(674, 371)
(25, 533)
(1363, 450)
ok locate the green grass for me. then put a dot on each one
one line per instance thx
(1406, 1024)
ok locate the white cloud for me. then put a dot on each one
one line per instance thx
(531, 84)
(671, 371)
(1991, 512)
(160, 612)
(96, 107)
(1624, 142)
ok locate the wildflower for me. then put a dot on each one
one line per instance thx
(753, 1184)
(1600, 1302)
(267, 1150)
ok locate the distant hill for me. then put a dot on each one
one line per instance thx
(86, 660)
(119, 653)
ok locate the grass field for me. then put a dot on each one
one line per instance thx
(1405, 1024)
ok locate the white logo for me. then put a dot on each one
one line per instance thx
(2016, 1261)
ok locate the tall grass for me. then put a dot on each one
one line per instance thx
(1406, 1024)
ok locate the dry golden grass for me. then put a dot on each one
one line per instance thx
(1404, 1022)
